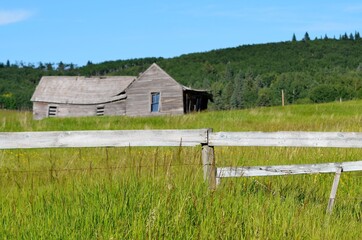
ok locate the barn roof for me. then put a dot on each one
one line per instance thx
(184, 88)
(81, 90)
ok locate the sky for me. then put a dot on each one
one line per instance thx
(77, 31)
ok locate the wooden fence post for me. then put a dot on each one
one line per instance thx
(208, 162)
(334, 190)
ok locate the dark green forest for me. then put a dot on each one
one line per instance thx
(308, 71)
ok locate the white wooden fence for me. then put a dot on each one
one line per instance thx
(208, 140)
(284, 139)
(118, 138)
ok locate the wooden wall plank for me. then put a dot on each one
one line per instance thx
(119, 138)
(154, 79)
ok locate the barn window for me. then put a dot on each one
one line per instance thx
(52, 111)
(100, 110)
(155, 102)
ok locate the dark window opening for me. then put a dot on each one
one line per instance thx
(100, 110)
(52, 111)
(155, 102)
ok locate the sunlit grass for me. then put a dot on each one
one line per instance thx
(159, 193)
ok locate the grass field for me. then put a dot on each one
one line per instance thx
(159, 193)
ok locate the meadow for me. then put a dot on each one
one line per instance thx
(159, 192)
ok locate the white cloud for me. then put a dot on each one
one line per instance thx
(13, 16)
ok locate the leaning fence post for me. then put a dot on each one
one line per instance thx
(334, 190)
(208, 162)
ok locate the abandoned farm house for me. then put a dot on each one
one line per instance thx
(154, 92)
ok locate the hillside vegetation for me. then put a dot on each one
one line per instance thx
(159, 193)
(320, 70)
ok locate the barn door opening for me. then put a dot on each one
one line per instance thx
(195, 101)
(192, 103)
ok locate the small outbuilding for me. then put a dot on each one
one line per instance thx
(154, 92)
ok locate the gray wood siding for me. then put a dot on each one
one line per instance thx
(65, 110)
(115, 109)
(40, 109)
(138, 101)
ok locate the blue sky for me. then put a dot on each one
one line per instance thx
(77, 31)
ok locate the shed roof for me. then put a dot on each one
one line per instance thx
(81, 90)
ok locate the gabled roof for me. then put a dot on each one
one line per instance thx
(158, 68)
(154, 65)
(81, 90)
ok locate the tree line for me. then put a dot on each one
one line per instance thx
(308, 71)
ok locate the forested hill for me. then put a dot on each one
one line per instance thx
(317, 70)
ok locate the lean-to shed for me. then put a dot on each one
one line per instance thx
(154, 92)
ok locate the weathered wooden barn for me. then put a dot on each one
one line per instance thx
(154, 92)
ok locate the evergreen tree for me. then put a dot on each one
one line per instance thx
(227, 92)
(61, 66)
(41, 66)
(344, 37)
(229, 73)
(236, 99)
(351, 37)
(49, 66)
(357, 36)
(206, 83)
(216, 89)
(249, 91)
(264, 98)
(294, 38)
(306, 37)
(359, 68)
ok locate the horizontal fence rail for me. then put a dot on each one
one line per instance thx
(287, 139)
(118, 138)
(278, 170)
(122, 138)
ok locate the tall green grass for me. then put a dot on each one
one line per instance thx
(344, 116)
(159, 193)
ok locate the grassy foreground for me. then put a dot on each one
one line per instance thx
(155, 193)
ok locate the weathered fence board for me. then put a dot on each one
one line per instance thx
(259, 171)
(333, 194)
(119, 138)
(208, 162)
(287, 139)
